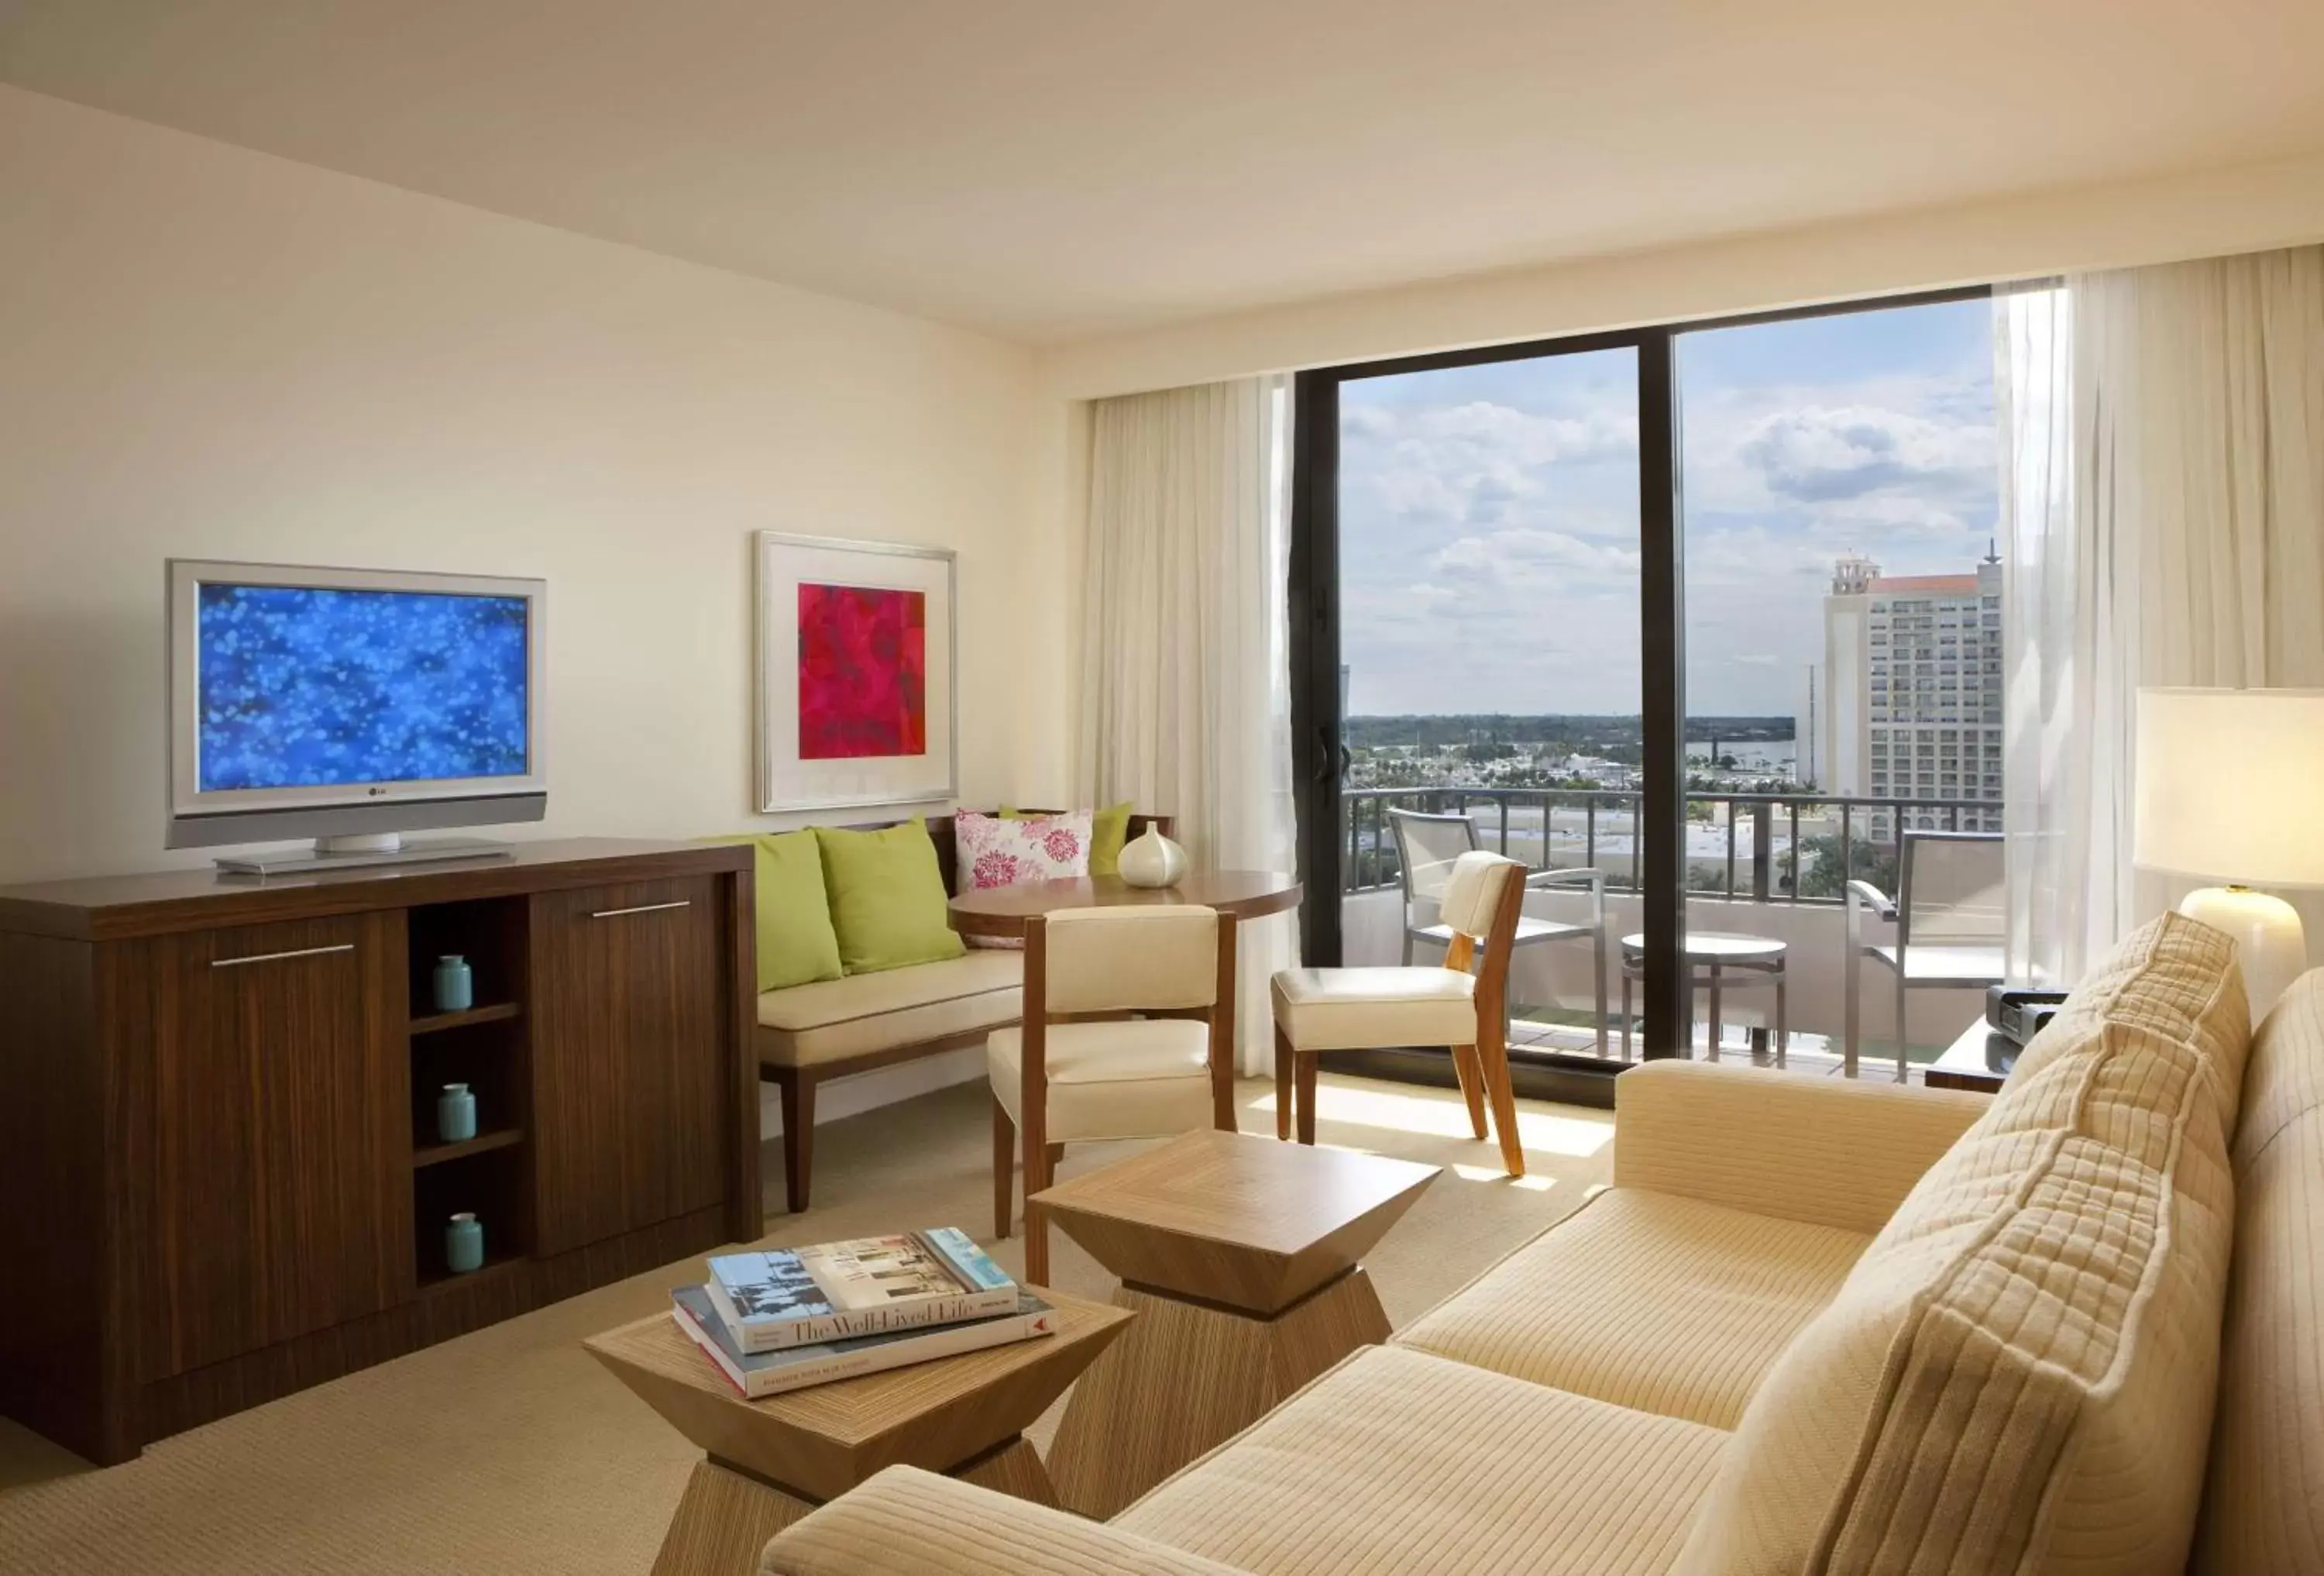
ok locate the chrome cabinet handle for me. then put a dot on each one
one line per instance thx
(273, 957)
(642, 909)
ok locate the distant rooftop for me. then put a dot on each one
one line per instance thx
(1959, 584)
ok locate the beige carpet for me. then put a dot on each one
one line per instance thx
(509, 1450)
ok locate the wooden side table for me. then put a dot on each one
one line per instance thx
(766, 1463)
(1239, 1255)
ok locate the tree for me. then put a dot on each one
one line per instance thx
(1820, 872)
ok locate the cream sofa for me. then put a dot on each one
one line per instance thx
(1814, 1326)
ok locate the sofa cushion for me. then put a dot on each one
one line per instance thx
(904, 1521)
(1667, 1305)
(887, 897)
(796, 942)
(837, 1019)
(2017, 1375)
(1139, 1079)
(1109, 831)
(1399, 1462)
(2262, 1514)
(1008, 851)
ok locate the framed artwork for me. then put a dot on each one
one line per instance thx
(856, 702)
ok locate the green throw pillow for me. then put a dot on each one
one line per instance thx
(1109, 830)
(796, 941)
(887, 898)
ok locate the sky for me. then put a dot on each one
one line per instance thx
(1488, 515)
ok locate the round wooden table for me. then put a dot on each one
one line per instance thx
(1001, 911)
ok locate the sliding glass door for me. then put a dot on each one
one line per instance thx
(1491, 648)
(1477, 540)
(1844, 667)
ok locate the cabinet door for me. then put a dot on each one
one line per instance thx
(626, 1056)
(281, 1197)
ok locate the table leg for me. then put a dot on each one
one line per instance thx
(1714, 1010)
(727, 1513)
(1185, 1377)
(1625, 1010)
(1226, 1018)
(1012, 1468)
(1783, 1038)
(724, 1519)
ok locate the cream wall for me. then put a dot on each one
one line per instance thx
(2209, 213)
(212, 352)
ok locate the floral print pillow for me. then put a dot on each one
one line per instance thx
(989, 852)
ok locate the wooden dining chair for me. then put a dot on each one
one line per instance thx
(1082, 1068)
(1376, 1008)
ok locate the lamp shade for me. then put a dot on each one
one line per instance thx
(2230, 785)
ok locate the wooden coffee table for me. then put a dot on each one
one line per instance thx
(1239, 1254)
(766, 1463)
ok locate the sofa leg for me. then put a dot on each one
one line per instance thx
(797, 1087)
(1304, 1079)
(1004, 1167)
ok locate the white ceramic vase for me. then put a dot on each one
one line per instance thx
(1152, 860)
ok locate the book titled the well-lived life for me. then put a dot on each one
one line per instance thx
(761, 1374)
(873, 1286)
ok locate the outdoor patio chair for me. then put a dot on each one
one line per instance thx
(1947, 915)
(1427, 845)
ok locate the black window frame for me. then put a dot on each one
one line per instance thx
(1318, 753)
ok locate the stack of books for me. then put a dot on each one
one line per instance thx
(781, 1320)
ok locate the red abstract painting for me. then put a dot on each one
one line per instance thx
(862, 668)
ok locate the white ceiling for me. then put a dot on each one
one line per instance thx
(1049, 170)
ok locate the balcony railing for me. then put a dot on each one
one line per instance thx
(1739, 845)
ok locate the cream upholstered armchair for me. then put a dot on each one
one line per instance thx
(1080, 1068)
(1369, 1009)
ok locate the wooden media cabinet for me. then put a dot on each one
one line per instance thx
(220, 1179)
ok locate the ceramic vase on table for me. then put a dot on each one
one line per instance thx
(1152, 860)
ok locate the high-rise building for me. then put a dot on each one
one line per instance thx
(1912, 694)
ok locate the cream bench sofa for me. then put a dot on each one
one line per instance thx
(831, 1028)
(1814, 1326)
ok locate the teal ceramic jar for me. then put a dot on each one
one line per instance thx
(455, 985)
(456, 1114)
(464, 1244)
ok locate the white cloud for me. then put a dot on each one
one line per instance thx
(1496, 538)
(1816, 454)
(1535, 557)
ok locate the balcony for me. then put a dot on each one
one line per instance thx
(1772, 866)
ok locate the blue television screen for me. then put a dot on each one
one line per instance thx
(307, 687)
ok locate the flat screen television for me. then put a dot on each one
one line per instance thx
(350, 706)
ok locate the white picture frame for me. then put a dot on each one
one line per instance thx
(791, 780)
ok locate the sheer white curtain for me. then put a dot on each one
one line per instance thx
(2070, 644)
(1185, 679)
(2163, 503)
